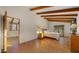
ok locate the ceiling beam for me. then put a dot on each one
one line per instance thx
(62, 10)
(59, 15)
(67, 21)
(40, 7)
(59, 18)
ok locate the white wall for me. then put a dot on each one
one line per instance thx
(28, 21)
(1, 33)
(66, 27)
(78, 24)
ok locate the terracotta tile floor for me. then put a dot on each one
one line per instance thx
(45, 45)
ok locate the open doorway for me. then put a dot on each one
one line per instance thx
(11, 32)
(59, 29)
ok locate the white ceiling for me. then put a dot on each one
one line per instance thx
(76, 12)
(30, 7)
(62, 17)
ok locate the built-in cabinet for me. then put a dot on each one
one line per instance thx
(74, 43)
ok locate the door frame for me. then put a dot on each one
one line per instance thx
(5, 44)
(60, 26)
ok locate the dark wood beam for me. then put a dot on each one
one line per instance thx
(39, 7)
(67, 21)
(59, 15)
(62, 10)
(59, 18)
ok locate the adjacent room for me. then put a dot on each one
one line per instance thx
(39, 29)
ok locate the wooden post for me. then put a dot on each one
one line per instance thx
(5, 32)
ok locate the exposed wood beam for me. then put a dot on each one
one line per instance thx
(59, 18)
(40, 7)
(67, 21)
(59, 15)
(62, 10)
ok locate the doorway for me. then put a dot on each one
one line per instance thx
(11, 32)
(59, 29)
